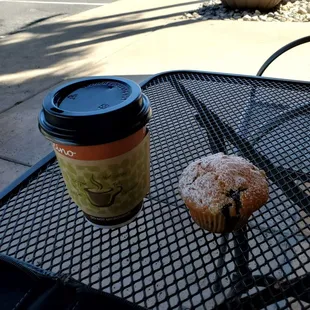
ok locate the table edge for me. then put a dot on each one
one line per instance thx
(255, 77)
(17, 183)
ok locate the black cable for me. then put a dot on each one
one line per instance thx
(280, 52)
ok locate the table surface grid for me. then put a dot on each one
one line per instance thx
(162, 259)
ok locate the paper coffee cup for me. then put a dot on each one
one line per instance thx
(98, 129)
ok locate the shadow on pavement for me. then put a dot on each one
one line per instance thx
(37, 21)
(44, 54)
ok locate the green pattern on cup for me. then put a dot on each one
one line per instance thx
(110, 187)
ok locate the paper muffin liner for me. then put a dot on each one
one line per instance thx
(216, 223)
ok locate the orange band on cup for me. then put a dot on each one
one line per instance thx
(102, 151)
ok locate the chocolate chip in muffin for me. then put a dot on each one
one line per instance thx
(232, 221)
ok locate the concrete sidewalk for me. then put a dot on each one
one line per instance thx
(135, 38)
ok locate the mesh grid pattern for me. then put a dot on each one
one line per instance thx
(163, 260)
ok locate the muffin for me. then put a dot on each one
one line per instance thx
(222, 191)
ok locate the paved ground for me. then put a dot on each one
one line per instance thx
(16, 15)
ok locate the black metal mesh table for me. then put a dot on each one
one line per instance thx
(163, 260)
